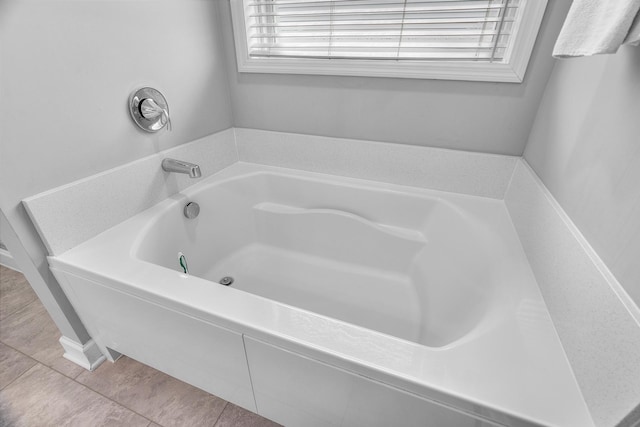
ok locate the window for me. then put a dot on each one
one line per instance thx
(487, 40)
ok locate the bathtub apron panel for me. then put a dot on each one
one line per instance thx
(297, 391)
(197, 352)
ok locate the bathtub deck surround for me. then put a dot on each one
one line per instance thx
(73, 213)
(501, 362)
(456, 171)
(426, 361)
(597, 321)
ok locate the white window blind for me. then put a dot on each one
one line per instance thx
(391, 30)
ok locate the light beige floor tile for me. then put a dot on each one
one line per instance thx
(15, 292)
(235, 416)
(159, 397)
(66, 367)
(12, 365)
(31, 331)
(44, 397)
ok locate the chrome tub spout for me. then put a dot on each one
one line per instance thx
(178, 166)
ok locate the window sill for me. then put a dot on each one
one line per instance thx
(470, 71)
(511, 71)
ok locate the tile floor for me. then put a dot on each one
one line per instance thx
(38, 387)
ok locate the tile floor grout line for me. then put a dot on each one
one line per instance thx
(22, 353)
(79, 383)
(42, 363)
(21, 375)
(226, 403)
(114, 401)
(79, 373)
(74, 379)
(37, 362)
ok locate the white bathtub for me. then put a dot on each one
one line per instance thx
(353, 303)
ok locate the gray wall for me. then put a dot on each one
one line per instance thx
(585, 146)
(68, 68)
(486, 117)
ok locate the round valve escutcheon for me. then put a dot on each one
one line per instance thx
(149, 109)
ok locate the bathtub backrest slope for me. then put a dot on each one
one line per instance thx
(597, 322)
(69, 215)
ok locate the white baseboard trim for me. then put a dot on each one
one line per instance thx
(88, 355)
(7, 260)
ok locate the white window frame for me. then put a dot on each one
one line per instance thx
(511, 70)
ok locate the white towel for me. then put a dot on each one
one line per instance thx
(634, 33)
(598, 26)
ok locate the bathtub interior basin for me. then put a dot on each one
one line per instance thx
(414, 266)
(424, 292)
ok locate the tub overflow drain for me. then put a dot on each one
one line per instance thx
(226, 280)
